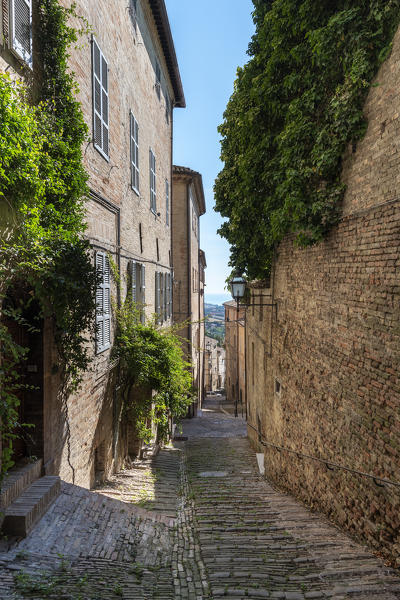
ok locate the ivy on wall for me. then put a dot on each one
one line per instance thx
(43, 185)
(154, 377)
(296, 106)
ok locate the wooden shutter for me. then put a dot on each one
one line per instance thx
(21, 29)
(158, 80)
(143, 292)
(157, 293)
(103, 303)
(167, 201)
(133, 281)
(152, 164)
(170, 295)
(100, 100)
(133, 13)
(6, 20)
(134, 136)
(99, 303)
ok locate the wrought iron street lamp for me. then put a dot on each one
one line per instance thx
(238, 288)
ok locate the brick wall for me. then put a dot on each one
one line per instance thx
(85, 435)
(188, 302)
(335, 349)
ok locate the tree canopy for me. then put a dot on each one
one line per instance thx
(296, 106)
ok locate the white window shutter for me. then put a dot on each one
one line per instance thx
(167, 201)
(100, 100)
(152, 164)
(99, 303)
(103, 303)
(107, 303)
(157, 293)
(143, 291)
(133, 280)
(21, 29)
(134, 150)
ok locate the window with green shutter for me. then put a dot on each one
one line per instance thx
(103, 304)
(100, 100)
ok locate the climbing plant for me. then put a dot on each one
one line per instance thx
(43, 185)
(296, 106)
(155, 379)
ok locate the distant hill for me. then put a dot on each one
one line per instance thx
(215, 321)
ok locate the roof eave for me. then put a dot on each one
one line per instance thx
(160, 15)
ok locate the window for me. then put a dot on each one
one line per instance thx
(158, 250)
(21, 29)
(100, 100)
(133, 13)
(277, 387)
(153, 198)
(163, 296)
(158, 80)
(103, 303)
(157, 303)
(167, 202)
(134, 137)
(138, 286)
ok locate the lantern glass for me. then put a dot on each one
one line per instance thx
(238, 286)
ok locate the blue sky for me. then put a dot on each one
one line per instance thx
(211, 38)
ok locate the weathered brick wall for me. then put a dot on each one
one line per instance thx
(86, 432)
(335, 343)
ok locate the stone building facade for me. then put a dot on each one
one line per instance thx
(189, 264)
(235, 361)
(129, 84)
(214, 377)
(324, 361)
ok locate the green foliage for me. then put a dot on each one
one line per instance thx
(296, 106)
(43, 185)
(151, 362)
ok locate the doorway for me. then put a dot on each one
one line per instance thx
(27, 331)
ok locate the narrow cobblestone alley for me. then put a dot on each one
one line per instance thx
(197, 521)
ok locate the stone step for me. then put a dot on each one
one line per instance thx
(30, 506)
(17, 480)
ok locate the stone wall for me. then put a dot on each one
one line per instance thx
(326, 383)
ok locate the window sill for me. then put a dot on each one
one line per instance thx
(100, 151)
(135, 190)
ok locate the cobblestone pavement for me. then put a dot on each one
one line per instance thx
(196, 522)
(255, 542)
(101, 545)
